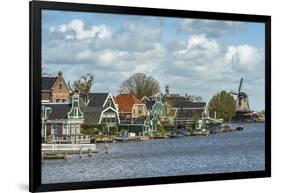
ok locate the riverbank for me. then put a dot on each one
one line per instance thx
(221, 153)
(166, 135)
(61, 151)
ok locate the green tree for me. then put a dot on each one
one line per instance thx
(224, 105)
(84, 84)
(140, 85)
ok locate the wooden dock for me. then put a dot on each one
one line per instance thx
(61, 151)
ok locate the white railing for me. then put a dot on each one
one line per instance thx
(70, 139)
(67, 147)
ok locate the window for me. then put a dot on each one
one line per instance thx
(72, 128)
(54, 130)
(60, 86)
(66, 129)
(109, 103)
(77, 128)
(76, 112)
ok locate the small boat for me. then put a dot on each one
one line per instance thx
(104, 140)
(202, 132)
(176, 135)
(144, 138)
(225, 128)
(183, 132)
(158, 137)
(122, 138)
(240, 128)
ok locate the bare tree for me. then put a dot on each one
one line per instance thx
(84, 84)
(140, 85)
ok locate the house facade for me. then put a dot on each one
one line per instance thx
(153, 121)
(61, 122)
(188, 114)
(130, 108)
(100, 108)
(149, 102)
(54, 89)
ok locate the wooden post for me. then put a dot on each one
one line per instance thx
(80, 153)
(89, 152)
(106, 148)
(65, 156)
(42, 157)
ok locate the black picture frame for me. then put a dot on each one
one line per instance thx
(36, 7)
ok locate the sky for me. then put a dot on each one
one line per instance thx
(193, 56)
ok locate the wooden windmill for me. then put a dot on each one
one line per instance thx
(242, 99)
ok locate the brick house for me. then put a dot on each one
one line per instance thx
(54, 89)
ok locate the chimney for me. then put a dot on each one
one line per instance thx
(60, 73)
(167, 89)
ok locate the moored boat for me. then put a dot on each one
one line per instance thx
(239, 128)
(176, 135)
(144, 138)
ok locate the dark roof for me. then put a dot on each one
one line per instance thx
(187, 104)
(188, 113)
(47, 82)
(92, 111)
(149, 104)
(58, 110)
(97, 99)
(91, 115)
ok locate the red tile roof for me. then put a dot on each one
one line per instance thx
(126, 101)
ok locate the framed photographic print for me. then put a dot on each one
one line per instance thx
(126, 96)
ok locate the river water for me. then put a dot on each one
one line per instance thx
(219, 153)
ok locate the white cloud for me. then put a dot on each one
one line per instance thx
(199, 64)
(245, 58)
(212, 28)
(80, 31)
(198, 46)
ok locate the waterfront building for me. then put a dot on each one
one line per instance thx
(187, 114)
(61, 122)
(133, 113)
(130, 108)
(153, 121)
(54, 89)
(149, 102)
(100, 108)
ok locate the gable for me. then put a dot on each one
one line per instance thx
(75, 112)
(60, 85)
(109, 102)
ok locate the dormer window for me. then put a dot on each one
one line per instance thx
(109, 103)
(76, 112)
(60, 86)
